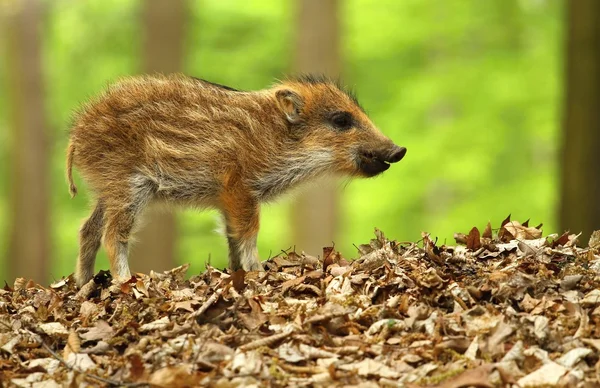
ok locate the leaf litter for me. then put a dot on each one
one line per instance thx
(501, 308)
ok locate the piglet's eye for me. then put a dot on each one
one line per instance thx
(342, 120)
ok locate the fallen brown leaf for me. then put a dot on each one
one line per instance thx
(474, 239)
(398, 313)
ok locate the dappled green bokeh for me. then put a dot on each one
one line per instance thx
(470, 87)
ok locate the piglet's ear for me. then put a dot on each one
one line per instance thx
(290, 104)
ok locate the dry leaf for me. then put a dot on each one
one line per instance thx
(185, 305)
(548, 375)
(159, 324)
(238, 279)
(54, 328)
(178, 376)
(398, 313)
(460, 238)
(369, 367)
(562, 240)
(505, 221)
(80, 361)
(73, 344)
(59, 284)
(137, 371)
(474, 239)
(478, 377)
(594, 241)
(487, 233)
(521, 232)
(101, 331)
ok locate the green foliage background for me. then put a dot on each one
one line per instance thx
(472, 88)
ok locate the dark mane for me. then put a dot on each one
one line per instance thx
(219, 86)
(321, 79)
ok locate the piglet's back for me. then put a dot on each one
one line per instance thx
(124, 127)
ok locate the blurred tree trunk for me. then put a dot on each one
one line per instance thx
(315, 212)
(163, 45)
(29, 244)
(580, 201)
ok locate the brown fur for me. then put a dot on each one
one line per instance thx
(186, 141)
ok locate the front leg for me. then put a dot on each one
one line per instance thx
(242, 221)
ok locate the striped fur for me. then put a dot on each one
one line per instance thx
(187, 141)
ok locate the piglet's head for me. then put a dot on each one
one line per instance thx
(328, 121)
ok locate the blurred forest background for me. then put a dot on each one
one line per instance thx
(497, 102)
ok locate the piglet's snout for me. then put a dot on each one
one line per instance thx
(396, 154)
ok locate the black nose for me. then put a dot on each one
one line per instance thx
(397, 154)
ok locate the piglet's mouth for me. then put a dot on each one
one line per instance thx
(373, 163)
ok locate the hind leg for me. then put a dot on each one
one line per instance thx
(90, 236)
(119, 223)
(120, 218)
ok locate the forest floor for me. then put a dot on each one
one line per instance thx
(505, 307)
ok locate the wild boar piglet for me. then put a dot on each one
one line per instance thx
(187, 141)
